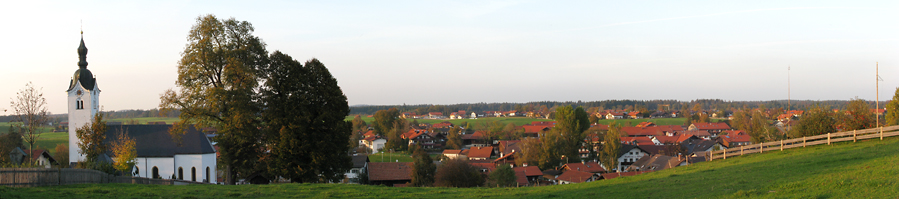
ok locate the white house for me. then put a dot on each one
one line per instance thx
(628, 154)
(373, 143)
(158, 155)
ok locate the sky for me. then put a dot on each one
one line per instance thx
(450, 52)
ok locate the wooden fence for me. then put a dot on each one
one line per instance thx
(30, 177)
(872, 133)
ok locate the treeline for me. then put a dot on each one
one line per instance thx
(628, 105)
(136, 113)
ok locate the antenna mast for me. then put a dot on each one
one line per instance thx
(789, 103)
(877, 103)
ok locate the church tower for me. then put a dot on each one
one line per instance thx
(84, 100)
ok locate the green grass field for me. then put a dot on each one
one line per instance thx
(866, 169)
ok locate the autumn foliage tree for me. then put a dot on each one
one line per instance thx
(858, 116)
(124, 149)
(217, 79)
(815, 121)
(611, 145)
(423, 168)
(91, 136)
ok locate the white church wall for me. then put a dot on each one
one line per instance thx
(166, 166)
(79, 117)
(198, 161)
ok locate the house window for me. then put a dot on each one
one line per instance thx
(156, 173)
(180, 173)
(207, 174)
(193, 174)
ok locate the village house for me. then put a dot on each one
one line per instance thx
(628, 154)
(359, 164)
(530, 174)
(735, 138)
(614, 116)
(373, 143)
(590, 167)
(573, 176)
(480, 153)
(713, 128)
(389, 173)
(455, 154)
(655, 162)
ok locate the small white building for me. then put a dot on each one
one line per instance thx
(628, 154)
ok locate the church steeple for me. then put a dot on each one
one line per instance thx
(82, 53)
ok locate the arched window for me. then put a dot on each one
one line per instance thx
(180, 173)
(156, 173)
(207, 175)
(193, 174)
(79, 104)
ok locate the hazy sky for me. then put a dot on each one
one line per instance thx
(447, 52)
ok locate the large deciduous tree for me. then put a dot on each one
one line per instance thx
(454, 138)
(503, 176)
(305, 113)
(30, 108)
(217, 79)
(384, 121)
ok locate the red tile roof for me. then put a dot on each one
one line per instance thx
(474, 136)
(591, 167)
(711, 126)
(575, 176)
(530, 170)
(452, 151)
(534, 129)
(637, 140)
(521, 178)
(480, 152)
(381, 171)
(642, 131)
(645, 124)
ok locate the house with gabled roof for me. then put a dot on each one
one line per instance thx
(455, 153)
(373, 143)
(713, 128)
(360, 162)
(476, 139)
(389, 173)
(704, 134)
(628, 154)
(531, 173)
(735, 138)
(480, 153)
(655, 162)
(634, 115)
(614, 115)
(573, 176)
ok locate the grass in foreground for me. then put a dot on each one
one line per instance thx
(866, 169)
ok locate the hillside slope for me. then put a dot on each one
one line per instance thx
(867, 169)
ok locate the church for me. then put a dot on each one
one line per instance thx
(158, 155)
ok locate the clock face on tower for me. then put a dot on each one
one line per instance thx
(78, 92)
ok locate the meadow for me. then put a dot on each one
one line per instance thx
(866, 169)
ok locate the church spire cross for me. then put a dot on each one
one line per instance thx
(82, 53)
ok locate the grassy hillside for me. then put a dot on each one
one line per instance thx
(866, 169)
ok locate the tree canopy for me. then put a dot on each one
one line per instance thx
(304, 116)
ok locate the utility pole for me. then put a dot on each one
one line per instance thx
(789, 102)
(877, 103)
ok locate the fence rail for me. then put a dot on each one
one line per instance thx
(30, 177)
(872, 133)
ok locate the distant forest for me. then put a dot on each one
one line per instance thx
(652, 105)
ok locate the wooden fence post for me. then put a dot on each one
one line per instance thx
(725, 154)
(781, 145)
(854, 135)
(711, 155)
(828, 138)
(881, 133)
(741, 149)
(803, 142)
(761, 148)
